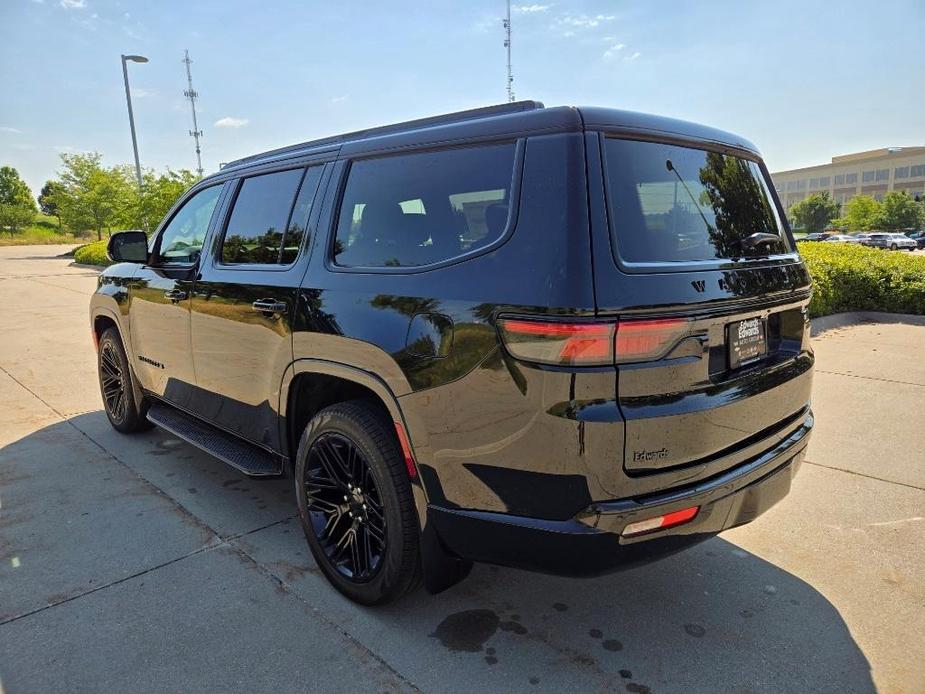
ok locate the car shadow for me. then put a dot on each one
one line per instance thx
(714, 618)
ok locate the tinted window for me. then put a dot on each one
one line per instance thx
(182, 238)
(298, 221)
(258, 220)
(673, 203)
(417, 209)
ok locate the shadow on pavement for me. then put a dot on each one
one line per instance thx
(101, 506)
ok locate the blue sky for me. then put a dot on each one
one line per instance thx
(803, 80)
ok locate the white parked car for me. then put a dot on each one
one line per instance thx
(894, 242)
(842, 238)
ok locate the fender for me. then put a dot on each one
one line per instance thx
(441, 569)
(99, 307)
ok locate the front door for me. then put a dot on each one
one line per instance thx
(159, 297)
(243, 302)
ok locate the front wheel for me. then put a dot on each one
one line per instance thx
(126, 413)
(893, 247)
(356, 505)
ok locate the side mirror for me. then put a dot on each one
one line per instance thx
(128, 247)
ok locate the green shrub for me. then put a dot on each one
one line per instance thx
(849, 277)
(92, 254)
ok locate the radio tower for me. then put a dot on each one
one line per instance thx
(192, 95)
(507, 44)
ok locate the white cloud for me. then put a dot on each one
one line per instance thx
(530, 9)
(73, 4)
(231, 122)
(634, 56)
(339, 99)
(10, 129)
(614, 50)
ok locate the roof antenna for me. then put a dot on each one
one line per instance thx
(507, 44)
(192, 95)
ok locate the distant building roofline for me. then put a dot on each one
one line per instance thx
(860, 156)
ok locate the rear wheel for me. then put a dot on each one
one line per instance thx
(126, 413)
(355, 503)
(893, 247)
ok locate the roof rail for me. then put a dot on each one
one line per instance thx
(445, 119)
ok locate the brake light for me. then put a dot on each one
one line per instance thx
(589, 344)
(661, 522)
(639, 340)
(579, 344)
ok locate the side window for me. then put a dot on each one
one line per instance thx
(182, 238)
(417, 209)
(298, 221)
(257, 224)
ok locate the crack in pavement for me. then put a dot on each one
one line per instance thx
(862, 474)
(870, 378)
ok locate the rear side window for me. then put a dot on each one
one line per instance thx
(678, 204)
(257, 224)
(418, 209)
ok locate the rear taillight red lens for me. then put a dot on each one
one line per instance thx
(578, 344)
(641, 340)
(590, 344)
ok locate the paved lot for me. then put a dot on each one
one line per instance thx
(138, 563)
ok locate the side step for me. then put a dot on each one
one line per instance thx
(249, 459)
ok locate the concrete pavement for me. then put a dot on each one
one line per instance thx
(132, 563)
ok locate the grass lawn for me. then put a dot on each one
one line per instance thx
(44, 230)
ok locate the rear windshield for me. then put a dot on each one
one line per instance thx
(678, 204)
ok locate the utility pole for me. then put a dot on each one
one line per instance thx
(507, 44)
(192, 95)
(131, 115)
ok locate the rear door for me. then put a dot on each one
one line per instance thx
(242, 306)
(692, 258)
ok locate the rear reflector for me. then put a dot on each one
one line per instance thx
(590, 344)
(406, 450)
(660, 522)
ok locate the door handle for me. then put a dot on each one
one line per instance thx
(269, 306)
(175, 295)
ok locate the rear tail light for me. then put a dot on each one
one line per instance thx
(589, 344)
(660, 522)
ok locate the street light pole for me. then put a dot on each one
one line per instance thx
(131, 115)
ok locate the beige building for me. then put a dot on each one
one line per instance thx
(873, 173)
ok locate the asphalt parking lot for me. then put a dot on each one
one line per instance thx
(139, 563)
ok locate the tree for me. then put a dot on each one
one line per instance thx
(92, 197)
(48, 199)
(17, 206)
(158, 194)
(815, 212)
(862, 213)
(899, 211)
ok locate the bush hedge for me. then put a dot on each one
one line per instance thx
(851, 277)
(92, 254)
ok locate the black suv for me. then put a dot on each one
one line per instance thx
(566, 339)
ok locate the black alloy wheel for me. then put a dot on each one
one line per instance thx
(356, 504)
(126, 412)
(345, 507)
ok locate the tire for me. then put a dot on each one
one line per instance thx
(125, 412)
(893, 247)
(358, 512)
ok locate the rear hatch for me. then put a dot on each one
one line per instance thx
(691, 257)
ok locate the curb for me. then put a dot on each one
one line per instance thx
(842, 320)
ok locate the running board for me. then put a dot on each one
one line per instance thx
(249, 459)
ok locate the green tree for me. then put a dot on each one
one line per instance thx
(17, 206)
(862, 213)
(899, 211)
(815, 212)
(48, 200)
(159, 192)
(92, 196)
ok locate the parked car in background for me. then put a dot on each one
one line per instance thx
(819, 236)
(893, 242)
(841, 238)
(919, 238)
(862, 238)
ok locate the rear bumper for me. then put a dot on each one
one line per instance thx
(590, 543)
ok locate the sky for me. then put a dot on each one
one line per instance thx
(804, 80)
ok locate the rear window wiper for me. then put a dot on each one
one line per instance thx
(753, 241)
